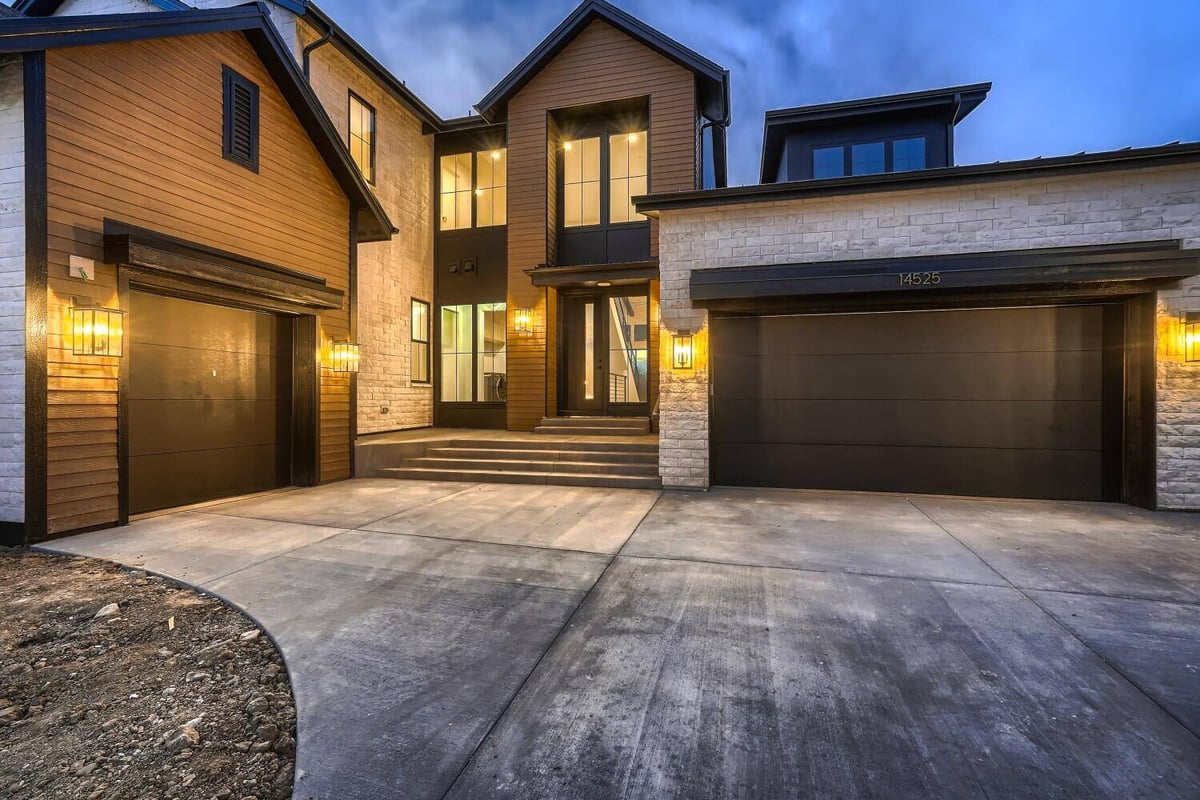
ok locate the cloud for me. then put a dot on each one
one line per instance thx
(1068, 75)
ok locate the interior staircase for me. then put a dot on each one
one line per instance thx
(565, 451)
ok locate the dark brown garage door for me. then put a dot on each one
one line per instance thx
(209, 402)
(1004, 402)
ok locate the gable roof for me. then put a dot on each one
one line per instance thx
(46, 8)
(48, 33)
(712, 80)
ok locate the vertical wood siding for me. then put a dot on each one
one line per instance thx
(601, 64)
(134, 134)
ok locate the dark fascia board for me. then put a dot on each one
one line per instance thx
(712, 79)
(592, 273)
(150, 250)
(1067, 266)
(46, 8)
(430, 120)
(954, 103)
(252, 20)
(1081, 163)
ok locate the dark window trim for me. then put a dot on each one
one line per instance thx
(232, 79)
(475, 355)
(474, 152)
(604, 131)
(847, 146)
(350, 100)
(427, 341)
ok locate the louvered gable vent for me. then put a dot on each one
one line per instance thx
(241, 120)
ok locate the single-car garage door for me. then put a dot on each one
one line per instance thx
(1009, 402)
(209, 401)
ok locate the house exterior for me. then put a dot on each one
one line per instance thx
(868, 317)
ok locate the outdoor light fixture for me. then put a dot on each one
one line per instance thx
(1190, 320)
(681, 348)
(523, 321)
(343, 357)
(97, 331)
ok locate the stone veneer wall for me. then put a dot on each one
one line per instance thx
(1090, 209)
(12, 291)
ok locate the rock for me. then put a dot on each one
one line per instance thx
(185, 738)
(262, 747)
(268, 732)
(250, 636)
(110, 610)
(192, 677)
(284, 744)
(257, 705)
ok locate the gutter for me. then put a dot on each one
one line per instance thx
(308, 50)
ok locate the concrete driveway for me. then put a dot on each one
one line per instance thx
(468, 640)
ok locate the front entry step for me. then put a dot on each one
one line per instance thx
(594, 426)
(604, 462)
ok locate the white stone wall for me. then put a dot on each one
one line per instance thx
(390, 274)
(1096, 209)
(79, 8)
(12, 291)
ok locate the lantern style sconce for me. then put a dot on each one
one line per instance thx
(97, 331)
(681, 349)
(1190, 322)
(343, 357)
(523, 321)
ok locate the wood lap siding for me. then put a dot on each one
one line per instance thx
(601, 64)
(135, 134)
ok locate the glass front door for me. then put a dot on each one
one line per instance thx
(604, 352)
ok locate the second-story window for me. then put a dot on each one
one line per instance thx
(626, 175)
(581, 182)
(455, 191)
(491, 195)
(362, 136)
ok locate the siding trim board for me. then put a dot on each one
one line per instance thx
(36, 275)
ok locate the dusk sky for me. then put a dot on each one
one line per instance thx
(1068, 75)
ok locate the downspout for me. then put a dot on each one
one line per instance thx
(309, 48)
(950, 129)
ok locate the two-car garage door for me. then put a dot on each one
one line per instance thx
(1013, 402)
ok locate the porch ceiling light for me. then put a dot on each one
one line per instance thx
(97, 331)
(343, 357)
(1190, 320)
(523, 321)
(681, 350)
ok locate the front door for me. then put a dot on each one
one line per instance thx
(604, 352)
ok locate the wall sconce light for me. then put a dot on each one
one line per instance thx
(523, 321)
(681, 349)
(1190, 321)
(343, 357)
(97, 331)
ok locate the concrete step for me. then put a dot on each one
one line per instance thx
(563, 444)
(641, 423)
(579, 430)
(534, 464)
(611, 456)
(531, 477)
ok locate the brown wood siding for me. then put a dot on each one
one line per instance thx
(134, 134)
(601, 64)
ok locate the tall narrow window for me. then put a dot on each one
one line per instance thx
(457, 353)
(491, 193)
(456, 191)
(626, 175)
(420, 341)
(492, 351)
(581, 182)
(241, 120)
(362, 136)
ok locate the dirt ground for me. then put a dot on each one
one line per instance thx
(172, 694)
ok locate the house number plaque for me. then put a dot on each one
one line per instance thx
(920, 278)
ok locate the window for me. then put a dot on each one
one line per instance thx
(240, 134)
(866, 159)
(362, 136)
(420, 341)
(829, 162)
(908, 154)
(456, 191)
(581, 182)
(626, 175)
(491, 194)
(474, 353)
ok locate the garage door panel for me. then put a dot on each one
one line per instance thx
(1043, 474)
(178, 425)
(174, 322)
(160, 374)
(967, 331)
(1072, 425)
(176, 479)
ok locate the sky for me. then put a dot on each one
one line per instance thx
(1068, 75)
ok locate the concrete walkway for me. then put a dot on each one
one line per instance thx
(469, 640)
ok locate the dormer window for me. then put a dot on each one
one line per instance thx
(869, 158)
